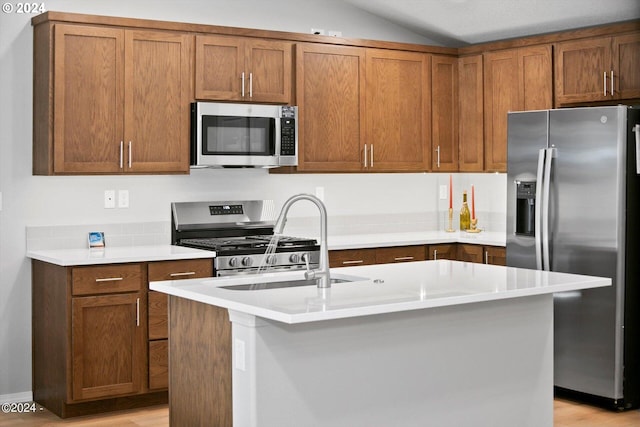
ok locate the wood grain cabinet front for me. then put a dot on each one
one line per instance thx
(243, 69)
(124, 111)
(597, 69)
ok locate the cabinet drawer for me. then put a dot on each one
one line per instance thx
(400, 254)
(158, 315)
(352, 257)
(158, 364)
(107, 279)
(183, 269)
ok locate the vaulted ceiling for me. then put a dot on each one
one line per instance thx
(458, 23)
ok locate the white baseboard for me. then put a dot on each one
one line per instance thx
(25, 396)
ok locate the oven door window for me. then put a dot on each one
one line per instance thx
(232, 135)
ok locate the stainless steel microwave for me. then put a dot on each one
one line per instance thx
(243, 135)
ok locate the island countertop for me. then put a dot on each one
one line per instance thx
(383, 288)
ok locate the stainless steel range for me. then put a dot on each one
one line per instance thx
(242, 235)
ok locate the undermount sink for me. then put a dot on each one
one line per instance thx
(289, 283)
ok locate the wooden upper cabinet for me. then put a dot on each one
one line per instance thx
(88, 100)
(157, 101)
(243, 69)
(398, 111)
(330, 96)
(471, 114)
(444, 113)
(514, 80)
(597, 69)
(120, 101)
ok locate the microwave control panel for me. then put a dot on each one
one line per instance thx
(287, 137)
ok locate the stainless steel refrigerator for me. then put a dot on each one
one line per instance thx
(573, 205)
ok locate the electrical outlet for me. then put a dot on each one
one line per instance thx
(109, 199)
(443, 192)
(320, 193)
(123, 198)
(317, 31)
(334, 33)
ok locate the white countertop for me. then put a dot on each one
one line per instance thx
(355, 241)
(117, 254)
(387, 288)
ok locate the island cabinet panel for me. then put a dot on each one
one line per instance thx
(158, 319)
(444, 113)
(398, 111)
(471, 114)
(330, 91)
(597, 69)
(195, 402)
(514, 80)
(243, 69)
(126, 110)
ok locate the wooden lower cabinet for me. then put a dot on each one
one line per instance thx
(442, 251)
(100, 340)
(368, 256)
(494, 255)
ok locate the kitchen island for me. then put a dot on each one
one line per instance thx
(441, 343)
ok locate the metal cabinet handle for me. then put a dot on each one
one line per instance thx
(612, 83)
(243, 84)
(186, 273)
(108, 279)
(358, 261)
(121, 154)
(403, 258)
(137, 311)
(129, 154)
(604, 83)
(486, 257)
(438, 157)
(435, 254)
(371, 155)
(250, 85)
(365, 155)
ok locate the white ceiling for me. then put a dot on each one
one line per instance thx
(458, 23)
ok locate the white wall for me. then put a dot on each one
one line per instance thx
(35, 200)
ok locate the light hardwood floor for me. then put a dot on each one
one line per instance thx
(566, 414)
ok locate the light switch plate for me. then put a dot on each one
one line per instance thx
(123, 198)
(443, 192)
(109, 199)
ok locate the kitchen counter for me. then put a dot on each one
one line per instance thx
(117, 254)
(356, 241)
(444, 343)
(382, 288)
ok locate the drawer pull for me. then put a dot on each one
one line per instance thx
(403, 258)
(109, 279)
(186, 273)
(358, 261)
(137, 311)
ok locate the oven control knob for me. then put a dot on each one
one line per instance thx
(246, 261)
(271, 259)
(295, 258)
(233, 262)
(305, 257)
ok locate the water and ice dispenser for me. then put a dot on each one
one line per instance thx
(525, 208)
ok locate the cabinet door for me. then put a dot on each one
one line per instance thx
(444, 113)
(400, 254)
(495, 255)
(535, 71)
(501, 95)
(108, 347)
(443, 251)
(219, 67)
(352, 257)
(157, 101)
(398, 112)
(269, 65)
(330, 96)
(582, 70)
(470, 253)
(626, 56)
(471, 116)
(88, 93)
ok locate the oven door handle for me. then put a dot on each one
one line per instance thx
(256, 224)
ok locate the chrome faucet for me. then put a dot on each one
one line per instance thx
(323, 268)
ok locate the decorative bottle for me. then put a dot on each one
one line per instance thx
(465, 215)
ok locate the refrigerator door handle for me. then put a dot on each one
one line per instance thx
(546, 184)
(538, 208)
(636, 129)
